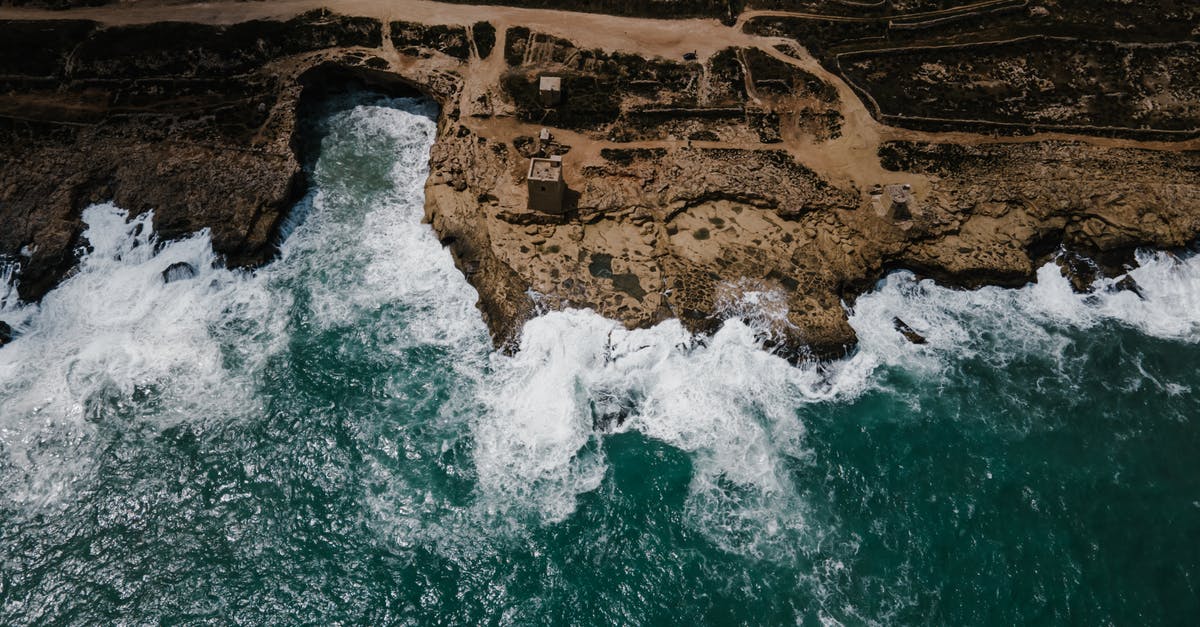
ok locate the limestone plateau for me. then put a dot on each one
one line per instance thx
(769, 159)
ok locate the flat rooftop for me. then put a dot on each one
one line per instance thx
(550, 83)
(545, 169)
(899, 193)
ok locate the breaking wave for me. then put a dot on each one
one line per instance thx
(1000, 323)
(115, 340)
(116, 349)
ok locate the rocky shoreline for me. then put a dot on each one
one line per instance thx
(756, 180)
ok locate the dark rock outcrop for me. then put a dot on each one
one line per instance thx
(750, 182)
(1128, 284)
(193, 122)
(178, 271)
(909, 334)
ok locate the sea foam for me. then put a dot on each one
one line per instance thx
(114, 335)
(113, 338)
(1033, 319)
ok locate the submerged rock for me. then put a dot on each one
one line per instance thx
(1128, 284)
(908, 332)
(607, 418)
(1079, 270)
(178, 271)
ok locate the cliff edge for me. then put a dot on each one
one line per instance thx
(773, 169)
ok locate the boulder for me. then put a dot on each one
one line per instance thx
(1079, 270)
(1127, 284)
(908, 332)
(6, 333)
(178, 271)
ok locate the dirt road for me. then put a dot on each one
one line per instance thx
(854, 154)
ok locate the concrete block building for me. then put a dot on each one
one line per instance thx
(550, 90)
(900, 202)
(546, 185)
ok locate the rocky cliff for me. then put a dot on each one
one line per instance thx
(755, 180)
(193, 121)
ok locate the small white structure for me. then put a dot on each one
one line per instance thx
(550, 89)
(546, 184)
(900, 197)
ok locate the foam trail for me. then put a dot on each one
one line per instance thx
(734, 407)
(115, 323)
(530, 441)
(1031, 319)
(387, 253)
(1171, 308)
(114, 339)
(114, 346)
(727, 402)
(538, 418)
(8, 287)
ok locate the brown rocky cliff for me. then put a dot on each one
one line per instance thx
(752, 182)
(192, 121)
(749, 185)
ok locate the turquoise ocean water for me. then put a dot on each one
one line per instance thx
(332, 440)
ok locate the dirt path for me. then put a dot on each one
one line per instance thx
(668, 38)
(853, 156)
(746, 16)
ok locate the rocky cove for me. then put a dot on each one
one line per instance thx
(778, 175)
(248, 378)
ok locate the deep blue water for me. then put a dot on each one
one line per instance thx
(332, 440)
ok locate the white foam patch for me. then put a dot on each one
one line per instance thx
(998, 324)
(115, 339)
(530, 442)
(727, 402)
(387, 251)
(9, 300)
(1171, 309)
(114, 342)
(734, 407)
(115, 332)
(763, 308)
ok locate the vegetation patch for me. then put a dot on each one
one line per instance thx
(1039, 82)
(626, 156)
(415, 39)
(189, 50)
(724, 10)
(516, 39)
(775, 77)
(727, 81)
(588, 102)
(485, 38)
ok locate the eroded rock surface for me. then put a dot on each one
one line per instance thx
(756, 180)
(192, 121)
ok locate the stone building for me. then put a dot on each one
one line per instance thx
(546, 184)
(899, 199)
(550, 90)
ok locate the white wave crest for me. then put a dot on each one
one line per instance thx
(737, 410)
(114, 338)
(727, 402)
(115, 332)
(115, 342)
(1031, 319)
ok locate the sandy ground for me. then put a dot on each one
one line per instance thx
(851, 158)
(820, 252)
